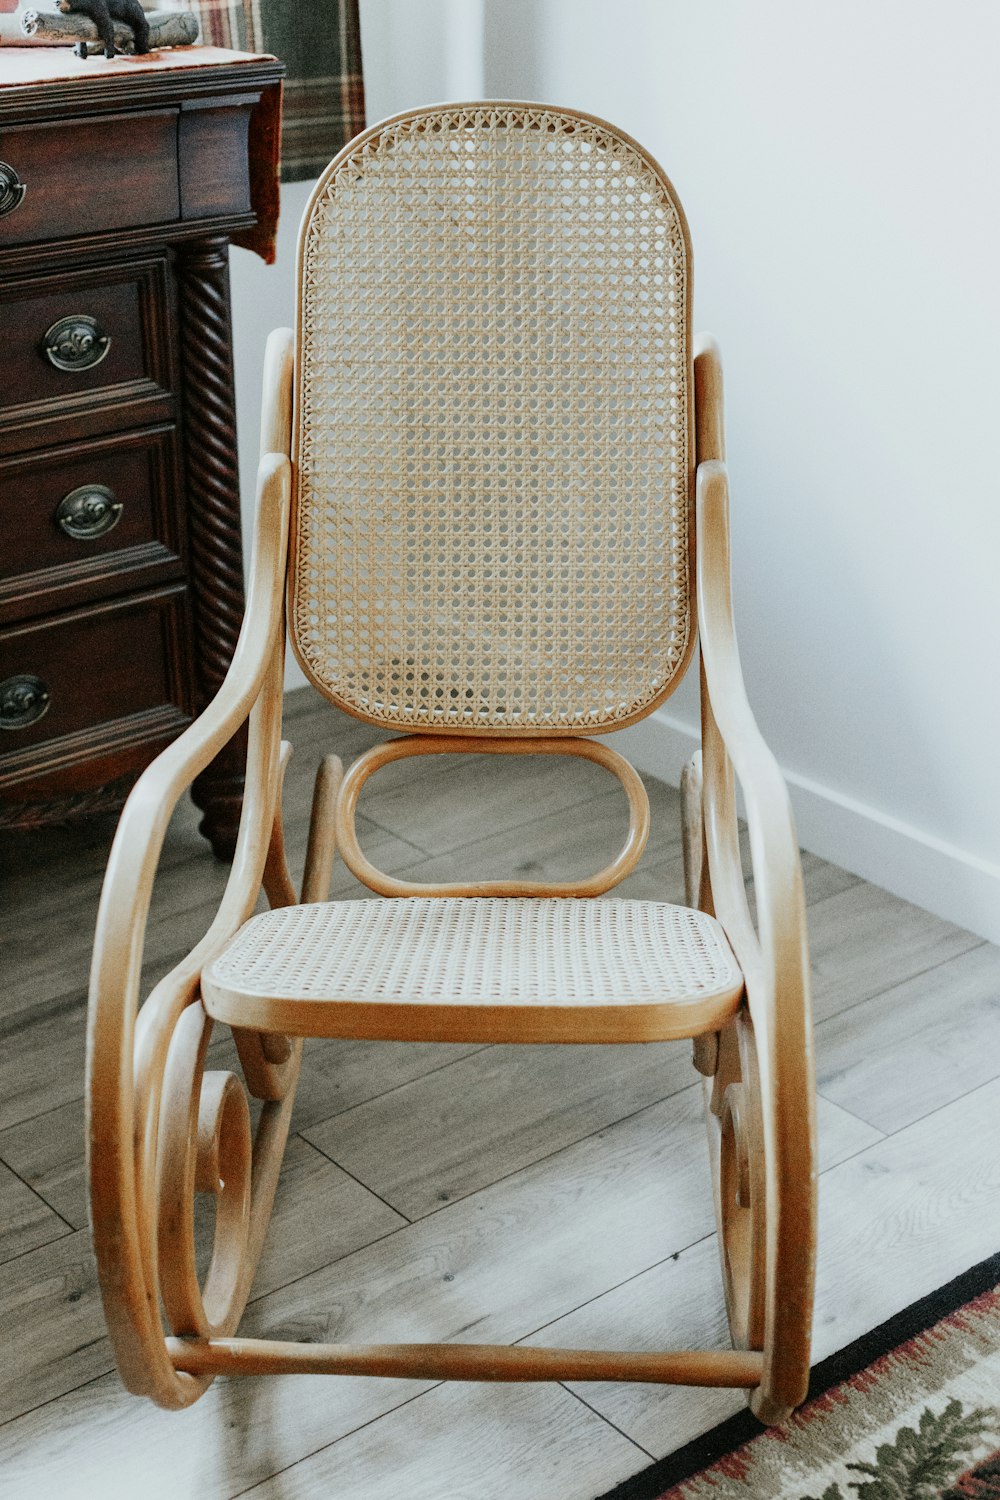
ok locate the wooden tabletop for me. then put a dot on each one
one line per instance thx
(25, 66)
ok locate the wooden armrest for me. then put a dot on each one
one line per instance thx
(775, 955)
(156, 793)
(128, 1048)
(252, 687)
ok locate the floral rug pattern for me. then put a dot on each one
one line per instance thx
(920, 1421)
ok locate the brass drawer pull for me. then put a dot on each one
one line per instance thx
(12, 189)
(88, 512)
(76, 343)
(23, 700)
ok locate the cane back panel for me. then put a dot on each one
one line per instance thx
(493, 427)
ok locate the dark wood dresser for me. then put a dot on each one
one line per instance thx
(121, 574)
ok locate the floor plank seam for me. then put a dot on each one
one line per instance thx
(12, 1026)
(853, 1155)
(51, 1400)
(473, 844)
(386, 1093)
(898, 984)
(10, 1260)
(606, 1420)
(883, 1134)
(338, 863)
(410, 1224)
(606, 1292)
(938, 1109)
(328, 1265)
(685, 1249)
(355, 1178)
(36, 1194)
(55, 1240)
(315, 1124)
(537, 1160)
(323, 1447)
(6, 1421)
(854, 880)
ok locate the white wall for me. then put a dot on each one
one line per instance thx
(838, 168)
(419, 51)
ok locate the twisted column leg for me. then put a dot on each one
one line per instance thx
(213, 509)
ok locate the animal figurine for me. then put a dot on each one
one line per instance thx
(104, 13)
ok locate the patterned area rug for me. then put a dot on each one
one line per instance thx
(910, 1411)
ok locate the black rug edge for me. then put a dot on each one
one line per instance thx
(703, 1451)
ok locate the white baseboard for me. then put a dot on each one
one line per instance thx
(945, 880)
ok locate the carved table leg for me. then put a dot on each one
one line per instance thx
(213, 510)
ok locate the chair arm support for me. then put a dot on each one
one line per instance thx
(775, 956)
(176, 767)
(127, 1048)
(141, 831)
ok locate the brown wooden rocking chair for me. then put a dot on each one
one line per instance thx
(492, 481)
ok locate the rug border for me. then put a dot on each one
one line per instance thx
(703, 1451)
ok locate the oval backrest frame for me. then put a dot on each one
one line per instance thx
(361, 153)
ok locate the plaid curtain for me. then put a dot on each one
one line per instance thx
(319, 41)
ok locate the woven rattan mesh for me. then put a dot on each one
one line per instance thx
(442, 950)
(493, 462)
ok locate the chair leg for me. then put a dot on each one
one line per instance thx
(692, 829)
(277, 881)
(705, 1048)
(765, 1217)
(737, 1149)
(260, 1052)
(322, 846)
(762, 1149)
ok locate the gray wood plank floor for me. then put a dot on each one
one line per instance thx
(547, 1195)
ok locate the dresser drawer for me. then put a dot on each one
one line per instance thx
(89, 176)
(84, 351)
(105, 680)
(86, 521)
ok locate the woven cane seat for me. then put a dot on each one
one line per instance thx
(478, 969)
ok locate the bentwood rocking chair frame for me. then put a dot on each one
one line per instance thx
(432, 545)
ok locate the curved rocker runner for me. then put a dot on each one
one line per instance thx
(493, 487)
